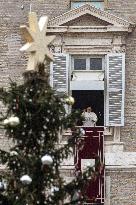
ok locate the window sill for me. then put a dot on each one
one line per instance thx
(88, 71)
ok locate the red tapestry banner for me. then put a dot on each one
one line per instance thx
(91, 152)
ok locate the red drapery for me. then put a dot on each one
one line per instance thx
(93, 150)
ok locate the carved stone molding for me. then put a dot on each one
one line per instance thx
(119, 44)
(116, 135)
(87, 29)
(120, 160)
(88, 9)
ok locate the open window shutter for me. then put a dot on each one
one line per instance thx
(59, 73)
(115, 77)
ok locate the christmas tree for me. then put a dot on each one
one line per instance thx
(35, 120)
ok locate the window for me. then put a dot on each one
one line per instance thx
(87, 63)
(79, 64)
(97, 3)
(95, 63)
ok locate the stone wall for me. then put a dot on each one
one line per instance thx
(123, 8)
(126, 9)
(12, 14)
(12, 63)
(128, 133)
(122, 187)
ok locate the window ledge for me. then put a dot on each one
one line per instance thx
(88, 71)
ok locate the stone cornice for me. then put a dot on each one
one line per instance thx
(88, 29)
(87, 9)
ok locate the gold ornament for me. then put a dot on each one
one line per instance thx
(70, 100)
(37, 41)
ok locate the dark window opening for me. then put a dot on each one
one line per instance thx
(95, 63)
(87, 98)
(91, 63)
(79, 64)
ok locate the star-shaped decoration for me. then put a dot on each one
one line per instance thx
(37, 41)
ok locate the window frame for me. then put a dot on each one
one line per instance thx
(87, 57)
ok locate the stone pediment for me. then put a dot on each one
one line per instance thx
(86, 20)
(94, 17)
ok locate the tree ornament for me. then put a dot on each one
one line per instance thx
(54, 189)
(13, 153)
(14, 121)
(6, 122)
(47, 160)
(45, 127)
(42, 134)
(37, 41)
(70, 100)
(82, 131)
(26, 179)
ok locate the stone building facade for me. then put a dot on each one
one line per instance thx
(89, 32)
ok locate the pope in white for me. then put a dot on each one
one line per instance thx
(90, 118)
